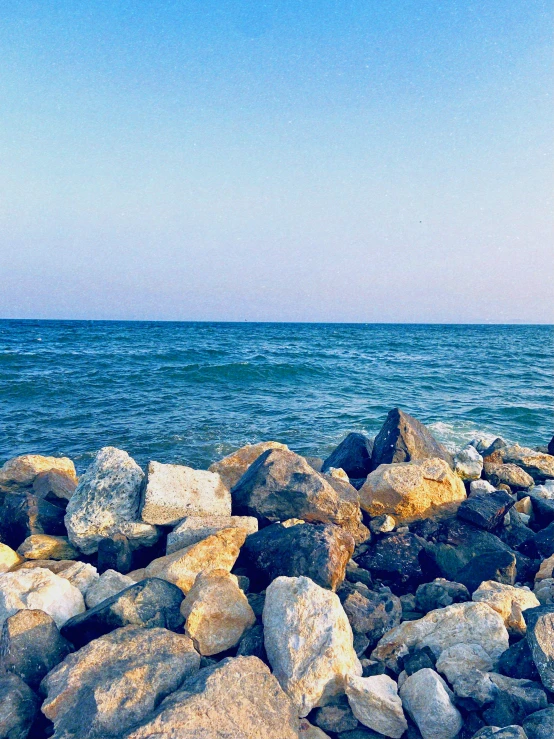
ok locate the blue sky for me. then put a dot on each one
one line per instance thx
(344, 161)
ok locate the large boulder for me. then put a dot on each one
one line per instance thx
(486, 510)
(280, 485)
(461, 623)
(375, 703)
(309, 641)
(510, 602)
(353, 455)
(116, 681)
(540, 637)
(42, 589)
(236, 698)
(195, 528)
(55, 485)
(537, 464)
(397, 560)
(318, 551)
(31, 645)
(513, 700)
(23, 514)
(412, 491)
(106, 502)
(216, 552)
(217, 612)
(150, 603)
(540, 725)
(173, 491)
(404, 439)
(18, 707)
(21, 472)
(232, 467)
(508, 474)
(428, 700)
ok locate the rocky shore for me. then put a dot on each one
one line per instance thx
(393, 589)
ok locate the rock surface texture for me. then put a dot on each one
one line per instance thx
(376, 704)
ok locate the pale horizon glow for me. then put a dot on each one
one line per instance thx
(236, 160)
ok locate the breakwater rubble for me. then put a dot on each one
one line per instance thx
(394, 589)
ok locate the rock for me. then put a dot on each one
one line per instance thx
(540, 637)
(373, 614)
(544, 590)
(193, 529)
(173, 491)
(551, 446)
(81, 575)
(39, 588)
(236, 698)
(540, 466)
(23, 514)
(115, 553)
(480, 486)
(307, 731)
(461, 659)
(508, 601)
(468, 463)
(252, 643)
(216, 552)
(55, 566)
(21, 471)
(517, 535)
(116, 681)
(217, 612)
(418, 659)
(474, 689)
(335, 718)
(517, 661)
(31, 645)
(412, 491)
(404, 439)
(18, 707)
(382, 524)
(338, 473)
(317, 551)
(45, 546)
(308, 641)
(544, 541)
(428, 701)
(281, 485)
(106, 502)
(513, 700)
(440, 593)
(8, 558)
(108, 584)
(233, 467)
(375, 703)
(396, 559)
(353, 455)
(508, 732)
(542, 501)
(55, 485)
(540, 725)
(461, 623)
(508, 474)
(486, 510)
(150, 603)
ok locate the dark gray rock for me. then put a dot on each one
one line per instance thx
(115, 553)
(396, 559)
(518, 536)
(497, 444)
(540, 637)
(551, 446)
(517, 662)
(23, 514)
(508, 732)
(544, 541)
(370, 613)
(252, 643)
(353, 455)
(18, 707)
(31, 645)
(486, 510)
(543, 510)
(513, 700)
(149, 603)
(540, 725)
(439, 594)
(404, 439)
(335, 718)
(318, 551)
(418, 659)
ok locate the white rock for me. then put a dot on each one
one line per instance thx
(80, 574)
(427, 699)
(468, 463)
(544, 590)
(308, 640)
(109, 583)
(461, 659)
(480, 486)
(460, 623)
(106, 501)
(174, 491)
(39, 589)
(375, 702)
(193, 529)
(508, 601)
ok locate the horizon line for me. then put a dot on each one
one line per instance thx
(268, 322)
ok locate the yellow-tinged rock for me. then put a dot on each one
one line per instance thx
(45, 546)
(546, 569)
(8, 558)
(510, 602)
(233, 467)
(21, 471)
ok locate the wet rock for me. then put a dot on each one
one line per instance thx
(45, 546)
(233, 467)
(39, 588)
(508, 474)
(173, 491)
(335, 718)
(115, 553)
(375, 703)
(353, 455)
(107, 585)
(540, 725)
(9, 559)
(252, 643)
(404, 439)
(486, 510)
(281, 485)
(18, 707)
(216, 612)
(508, 601)
(537, 464)
(308, 641)
(461, 623)
(149, 603)
(468, 463)
(371, 613)
(540, 637)
(517, 661)
(216, 552)
(461, 659)
(31, 645)
(427, 699)
(193, 529)
(23, 514)
(513, 700)
(317, 551)
(440, 593)
(22, 471)
(106, 502)
(412, 491)
(396, 559)
(116, 681)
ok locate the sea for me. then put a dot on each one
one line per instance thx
(190, 393)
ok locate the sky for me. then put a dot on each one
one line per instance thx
(329, 160)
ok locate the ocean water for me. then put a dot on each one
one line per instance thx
(192, 392)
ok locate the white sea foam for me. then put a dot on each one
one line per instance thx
(454, 436)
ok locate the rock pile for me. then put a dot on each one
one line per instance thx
(391, 590)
